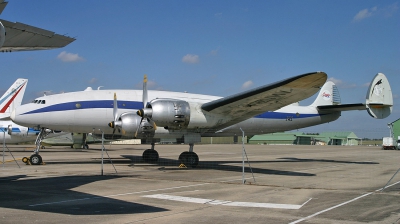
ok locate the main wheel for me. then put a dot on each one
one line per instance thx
(35, 159)
(189, 159)
(150, 155)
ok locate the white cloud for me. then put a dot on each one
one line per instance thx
(387, 11)
(336, 81)
(339, 83)
(191, 59)
(150, 85)
(390, 10)
(93, 80)
(365, 13)
(214, 52)
(44, 93)
(69, 57)
(247, 84)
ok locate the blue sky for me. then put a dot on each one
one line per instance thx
(212, 47)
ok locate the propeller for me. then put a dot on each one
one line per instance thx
(146, 111)
(115, 124)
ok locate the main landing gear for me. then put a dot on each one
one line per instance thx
(187, 158)
(35, 158)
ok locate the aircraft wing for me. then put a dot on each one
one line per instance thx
(343, 107)
(3, 4)
(23, 37)
(245, 105)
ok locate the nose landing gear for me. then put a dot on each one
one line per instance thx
(35, 158)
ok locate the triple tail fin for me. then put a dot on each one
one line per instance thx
(379, 99)
(12, 98)
(328, 95)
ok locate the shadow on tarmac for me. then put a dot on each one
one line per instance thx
(56, 195)
(170, 164)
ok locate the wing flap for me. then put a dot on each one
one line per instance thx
(242, 106)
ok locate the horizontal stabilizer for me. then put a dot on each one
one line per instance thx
(379, 99)
(343, 107)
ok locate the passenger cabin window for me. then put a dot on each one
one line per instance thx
(43, 101)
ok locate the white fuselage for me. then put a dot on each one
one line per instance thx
(19, 134)
(91, 111)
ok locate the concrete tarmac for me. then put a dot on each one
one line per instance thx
(291, 184)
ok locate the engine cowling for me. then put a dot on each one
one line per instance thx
(132, 124)
(2, 34)
(169, 113)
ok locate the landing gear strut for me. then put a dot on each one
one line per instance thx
(35, 158)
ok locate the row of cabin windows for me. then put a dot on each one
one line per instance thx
(39, 101)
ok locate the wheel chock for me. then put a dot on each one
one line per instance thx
(26, 161)
(182, 166)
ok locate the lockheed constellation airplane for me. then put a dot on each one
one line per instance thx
(151, 115)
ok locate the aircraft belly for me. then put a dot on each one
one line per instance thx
(257, 126)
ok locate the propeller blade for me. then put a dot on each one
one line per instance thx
(115, 110)
(137, 129)
(144, 99)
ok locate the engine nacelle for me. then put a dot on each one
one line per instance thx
(131, 124)
(2, 34)
(170, 113)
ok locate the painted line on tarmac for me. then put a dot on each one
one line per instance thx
(116, 195)
(344, 203)
(11, 160)
(222, 202)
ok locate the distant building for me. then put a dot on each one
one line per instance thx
(300, 138)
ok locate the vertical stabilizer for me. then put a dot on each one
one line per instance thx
(379, 99)
(12, 97)
(328, 95)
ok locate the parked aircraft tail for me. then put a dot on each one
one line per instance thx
(12, 97)
(379, 99)
(328, 95)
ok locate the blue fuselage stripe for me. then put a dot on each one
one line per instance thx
(81, 105)
(134, 105)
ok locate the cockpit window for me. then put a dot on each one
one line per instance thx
(39, 101)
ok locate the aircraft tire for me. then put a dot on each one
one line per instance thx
(35, 159)
(150, 155)
(189, 159)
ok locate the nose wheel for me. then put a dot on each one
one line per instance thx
(34, 159)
